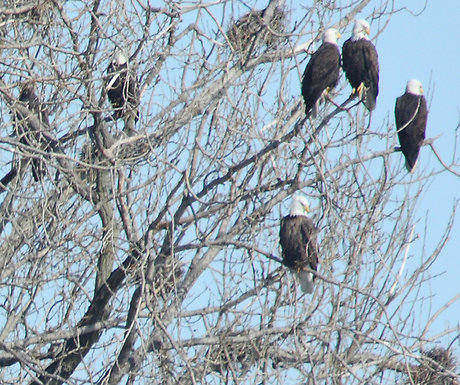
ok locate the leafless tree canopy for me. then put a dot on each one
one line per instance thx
(147, 253)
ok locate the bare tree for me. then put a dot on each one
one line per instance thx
(150, 255)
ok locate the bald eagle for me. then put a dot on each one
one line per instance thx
(27, 134)
(411, 115)
(122, 88)
(361, 64)
(322, 71)
(298, 242)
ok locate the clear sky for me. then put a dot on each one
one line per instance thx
(427, 47)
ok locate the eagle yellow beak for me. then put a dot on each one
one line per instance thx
(338, 35)
(421, 89)
(307, 208)
(368, 31)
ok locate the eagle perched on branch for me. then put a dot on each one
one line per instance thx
(360, 62)
(411, 115)
(322, 72)
(122, 88)
(28, 133)
(298, 242)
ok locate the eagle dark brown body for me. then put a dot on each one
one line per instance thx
(321, 73)
(298, 242)
(411, 115)
(122, 91)
(27, 134)
(299, 248)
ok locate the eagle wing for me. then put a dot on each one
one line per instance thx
(406, 111)
(347, 61)
(371, 60)
(309, 231)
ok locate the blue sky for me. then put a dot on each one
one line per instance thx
(427, 47)
(421, 42)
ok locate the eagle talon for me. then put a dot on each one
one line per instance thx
(360, 90)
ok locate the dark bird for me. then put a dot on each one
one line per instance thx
(361, 64)
(27, 133)
(322, 72)
(122, 88)
(411, 115)
(298, 242)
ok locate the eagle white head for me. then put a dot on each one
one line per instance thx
(299, 205)
(331, 35)
(414, 87)
(361, 30)
(119, 58)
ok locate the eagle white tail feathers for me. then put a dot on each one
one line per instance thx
(314, 110)
(306, 281)
(409, 168)
(369, 100)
